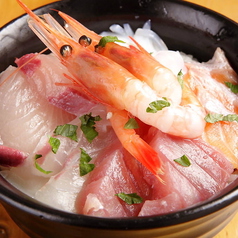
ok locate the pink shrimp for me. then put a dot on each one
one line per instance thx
(144, 67)
(137, 61)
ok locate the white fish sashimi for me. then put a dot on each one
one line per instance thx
(49, 78)
(64, 186)
(25, 116)
(208, 79)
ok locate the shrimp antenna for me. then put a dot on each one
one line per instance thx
(19, 68)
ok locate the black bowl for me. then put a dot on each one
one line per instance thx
(183, 26)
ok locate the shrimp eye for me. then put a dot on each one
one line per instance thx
(98, 49)
(66, 50)
(85, 41)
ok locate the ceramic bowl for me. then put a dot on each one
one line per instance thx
(183, 26)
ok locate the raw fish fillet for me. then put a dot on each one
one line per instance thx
(48, 77)
(25, 115)
(97, 197)
(207, 80)
(208, 174)
(11, 157)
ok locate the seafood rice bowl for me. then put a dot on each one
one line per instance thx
(125, 125)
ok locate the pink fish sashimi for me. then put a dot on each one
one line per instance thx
(208, 80)
(46, 75)
(208, 174)
(25, 116)
(98, 195)
(11, 157)
(169, 203)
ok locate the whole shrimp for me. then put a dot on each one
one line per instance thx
(181, 121)
(137, 61)
(114, 86)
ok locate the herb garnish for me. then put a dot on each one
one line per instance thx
(130, 198)
(37, 156)
(87, 126)
(84, 166)
(67, 130)
(54, 143)
(131, 124)
(157, 105)
(233, 87)
(180, 78)
(215, 117)
(183, 160)
(106, 39)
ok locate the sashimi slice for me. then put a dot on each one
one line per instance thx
(221, 69)
(108, 179)
(208, 173)
(207, 80)
(212, 92)
(104, 203)
(49, 78)
(11, 157)
(64, 186)
(174, 182)
(170, 203)
(223, 136)
(25, 115)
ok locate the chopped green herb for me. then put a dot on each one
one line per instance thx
(87, 126)
(37, 156)
(183, 160)
(67, 130)
(158, 105)
(215, 117)
(233, 87)
(106, 39)
(84, 166)
(180, 78)
(131, 198)
(131, 124)
(54, 143)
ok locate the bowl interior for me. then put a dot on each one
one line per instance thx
(198, 31)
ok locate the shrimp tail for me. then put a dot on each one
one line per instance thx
(134, 144)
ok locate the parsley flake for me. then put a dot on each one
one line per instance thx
(54, 143)
(67, 130)
(87, 126)
(215, 117)
(130, 198)
(180, 78)
(37, 156)
(131, 124)
(84, 166)
(158, 105)
(183, 160)
(106, 39)
(233, 87)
